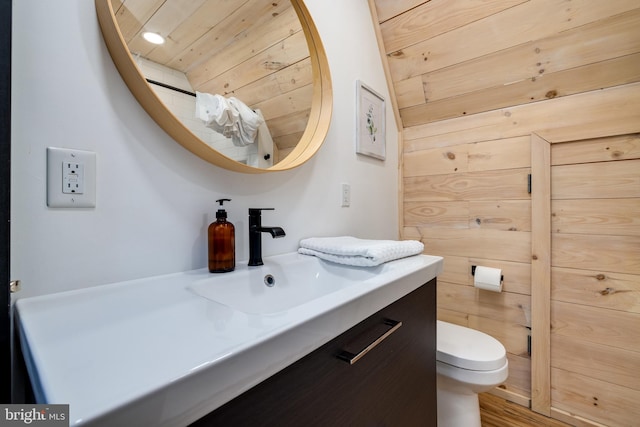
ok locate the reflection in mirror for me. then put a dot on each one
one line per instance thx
(257, 53)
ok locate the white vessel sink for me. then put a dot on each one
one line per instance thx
(281, 284)
(167, 350)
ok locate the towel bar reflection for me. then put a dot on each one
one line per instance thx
(353, 358)
(177, 89)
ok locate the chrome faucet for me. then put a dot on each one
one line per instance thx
(255, 234)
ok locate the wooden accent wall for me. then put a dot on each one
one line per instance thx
(471, 82)
(595, 278)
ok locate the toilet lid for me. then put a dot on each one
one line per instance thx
(468, 349)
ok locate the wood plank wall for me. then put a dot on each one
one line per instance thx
(472, 80)
(595, 292)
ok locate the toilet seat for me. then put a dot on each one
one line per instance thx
(474, 381)
(467, 348)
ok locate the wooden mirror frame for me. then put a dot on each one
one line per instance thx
(319, 117)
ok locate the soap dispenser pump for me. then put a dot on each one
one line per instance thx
(222, 242)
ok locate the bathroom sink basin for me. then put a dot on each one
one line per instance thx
(283, 283)
(166, 350)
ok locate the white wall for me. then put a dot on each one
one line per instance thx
(154, 198)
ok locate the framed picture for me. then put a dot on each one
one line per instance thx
(370, 116)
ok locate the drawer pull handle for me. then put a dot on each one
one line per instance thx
(353, 358)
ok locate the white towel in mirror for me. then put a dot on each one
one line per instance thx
(229, 117)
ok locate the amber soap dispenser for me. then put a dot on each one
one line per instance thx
(222, 242)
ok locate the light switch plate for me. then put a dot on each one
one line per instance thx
(59, 178)
(345, 192)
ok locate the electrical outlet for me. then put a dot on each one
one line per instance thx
(346, 195)
(71, 178)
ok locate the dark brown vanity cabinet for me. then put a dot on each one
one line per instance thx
(392, 384)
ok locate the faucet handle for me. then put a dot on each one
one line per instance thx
(257, 211)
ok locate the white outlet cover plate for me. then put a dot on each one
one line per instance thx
(55, 197)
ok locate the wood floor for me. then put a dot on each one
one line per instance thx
(497, 412)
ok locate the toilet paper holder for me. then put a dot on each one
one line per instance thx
(473, 273)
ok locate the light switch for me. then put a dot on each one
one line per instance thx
(71, 178)
(345, 192)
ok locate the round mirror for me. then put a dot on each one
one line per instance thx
(244, 85)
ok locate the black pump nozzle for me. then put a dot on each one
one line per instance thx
(221, 212)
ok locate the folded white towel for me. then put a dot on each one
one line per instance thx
(359, 252)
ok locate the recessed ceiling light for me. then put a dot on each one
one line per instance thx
(154, 38)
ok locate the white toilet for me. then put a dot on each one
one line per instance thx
(468, 362)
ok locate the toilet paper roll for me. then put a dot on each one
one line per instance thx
(488, 278)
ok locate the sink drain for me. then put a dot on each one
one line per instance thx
(269, 280)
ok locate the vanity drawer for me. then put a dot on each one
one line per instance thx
(381, 372)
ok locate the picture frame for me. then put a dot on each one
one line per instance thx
(370, 122)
